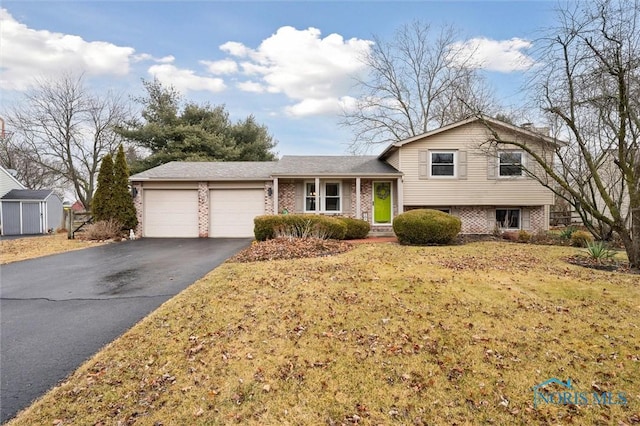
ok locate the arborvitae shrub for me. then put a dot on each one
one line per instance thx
(101, 202)
(122, 208)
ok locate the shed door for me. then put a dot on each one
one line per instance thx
(170, 213)
(10, 218)
(232, 211)
(31, 218)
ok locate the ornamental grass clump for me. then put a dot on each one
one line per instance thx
(425, 226)
(581, 239)
(102, 230)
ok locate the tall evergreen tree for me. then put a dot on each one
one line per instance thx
(122, 208)
(100, 205)
(174, 130)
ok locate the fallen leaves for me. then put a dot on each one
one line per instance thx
(290, 248)
(32, 247)
(379, 335)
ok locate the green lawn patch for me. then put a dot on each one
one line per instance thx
(382, 334)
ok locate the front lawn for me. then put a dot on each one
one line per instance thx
(382, 334)
(32, 247)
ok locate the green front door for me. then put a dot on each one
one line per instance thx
(381, 202)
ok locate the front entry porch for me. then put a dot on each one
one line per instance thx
(376, 201)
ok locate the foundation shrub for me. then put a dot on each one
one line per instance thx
(298, 226)
(356, 228)
(425, 226)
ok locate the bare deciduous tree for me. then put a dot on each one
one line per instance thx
(416, 82)
(18, 157)
(65, 130)
(588, 85)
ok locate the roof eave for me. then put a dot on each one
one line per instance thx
(337, 175)
(199, 179)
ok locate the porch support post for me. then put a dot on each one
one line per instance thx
(317, 186)
(358, 201)
(400, 196)
(275, 195)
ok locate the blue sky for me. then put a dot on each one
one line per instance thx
(289, 63)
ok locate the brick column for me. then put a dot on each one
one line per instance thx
(203, 210)
(137, 203)
(268, 201)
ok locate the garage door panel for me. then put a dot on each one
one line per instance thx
(171, 213)
(231, 212)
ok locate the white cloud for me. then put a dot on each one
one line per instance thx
(225, 66)
(312, 106)
(27, 53)
(147, 57)
(314, 71)
(185, 80)
(251, 86)
(494, 55)
(235, 49)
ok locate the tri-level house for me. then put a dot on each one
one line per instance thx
(451, 169)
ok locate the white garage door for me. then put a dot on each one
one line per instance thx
(232, 211)
(170, 213)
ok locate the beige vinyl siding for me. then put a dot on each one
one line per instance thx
(7, 182)
(394, 160)
(477, 188)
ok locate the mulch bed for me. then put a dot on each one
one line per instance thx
(607, 265)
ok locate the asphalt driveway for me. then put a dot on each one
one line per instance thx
(57, 311)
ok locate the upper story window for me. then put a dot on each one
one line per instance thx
(510, 163)
(442, 163)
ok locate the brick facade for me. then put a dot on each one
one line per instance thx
(287, 197)
(538, 222)
(474, 219)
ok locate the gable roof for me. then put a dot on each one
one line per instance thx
(209, 170)
(288, 166)
(27, 195)
(492, 121)
(333, 165)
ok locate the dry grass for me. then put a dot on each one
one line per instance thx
(32, 247)
(383, 334)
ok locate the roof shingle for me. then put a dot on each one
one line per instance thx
(289, 165)
(27, 194)
(209, 170)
